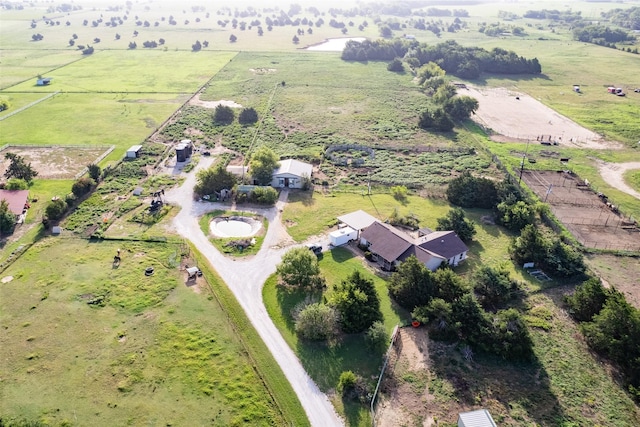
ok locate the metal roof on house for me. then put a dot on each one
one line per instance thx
(479, 418)
(386, 241)
(16, 199)
(357, 220)
(294, 167)
(444, 243)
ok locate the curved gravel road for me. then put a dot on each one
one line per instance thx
(245, 279)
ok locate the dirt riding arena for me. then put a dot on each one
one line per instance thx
(592, 220)
(520, 117)
(55, 162)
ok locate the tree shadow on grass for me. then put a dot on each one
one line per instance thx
(341, 255)
(517, 390)
(289, 298)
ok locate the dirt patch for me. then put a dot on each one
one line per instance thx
(519, 116)
(56, 162)
(212, 104)
(262, 70)
(619, 272)
(589, 216)
(404, 395)
(613, 175)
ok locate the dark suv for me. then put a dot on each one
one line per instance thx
(316, 249)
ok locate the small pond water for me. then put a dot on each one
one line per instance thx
(234, 228)
(334, 45)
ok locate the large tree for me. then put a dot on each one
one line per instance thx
(471, 192)
(357, 301)
(263, 162)
(460, 107)
(212, 180)
(18, 168)
(493, 285)
(248, 116)
(223, 115)
(412, 285)
(7, 218)
(299, 268)
(316, 321)
(455, 220)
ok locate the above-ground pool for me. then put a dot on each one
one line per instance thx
(234, 226)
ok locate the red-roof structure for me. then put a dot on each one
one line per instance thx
(16, 199)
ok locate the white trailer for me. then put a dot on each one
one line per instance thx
(342, 236)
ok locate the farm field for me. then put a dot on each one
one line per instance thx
(307, 101)
(150, 350)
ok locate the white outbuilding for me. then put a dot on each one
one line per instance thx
(342, 236)
(479, 418)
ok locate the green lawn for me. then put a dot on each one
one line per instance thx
(222, 243)
(124, 348)
(632, 178)
(325, 362)
(311, 213)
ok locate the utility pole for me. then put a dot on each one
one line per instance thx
(522, 162)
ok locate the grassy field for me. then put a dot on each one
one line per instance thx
(149, 350)
(312, 213)
(632, 178)
(325, 362)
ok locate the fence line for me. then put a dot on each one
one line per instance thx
(394, 336)
(31, 104)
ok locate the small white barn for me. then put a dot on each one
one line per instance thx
(479, 418)
(358, 220)
(134, 151)
(342, 236)
(291, 174)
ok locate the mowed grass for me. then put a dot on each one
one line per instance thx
(325, 362)
(632, 178)
(155, 353)
(22, 64)
(136, 71)
(312, 213)
(99, 119)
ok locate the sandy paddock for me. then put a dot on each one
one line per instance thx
(519, 116)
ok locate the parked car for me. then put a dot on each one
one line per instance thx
(316, 249)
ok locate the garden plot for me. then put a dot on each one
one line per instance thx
(591, 219)
(521, 117)
(55, 162)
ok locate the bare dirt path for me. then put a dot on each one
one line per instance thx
(245, 278)
(612, 174)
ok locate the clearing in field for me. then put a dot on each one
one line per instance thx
(592, 220)
(55, 162)
(519, 116)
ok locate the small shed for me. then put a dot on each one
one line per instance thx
(342, 236)
(358, 220)
(134, 151)
(56, 230)
(193, 272)
(182, 153)
(479, 418)
(291, 174)
(43, 81)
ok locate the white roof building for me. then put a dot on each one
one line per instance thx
(479, 418)
(290, 174)
(358, 220)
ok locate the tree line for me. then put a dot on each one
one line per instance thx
(464, 62)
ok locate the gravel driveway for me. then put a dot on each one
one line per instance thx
(245, 279)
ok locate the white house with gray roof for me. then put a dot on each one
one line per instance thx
(291, 174)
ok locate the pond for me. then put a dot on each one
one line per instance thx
(334, 45)
(234, 227)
